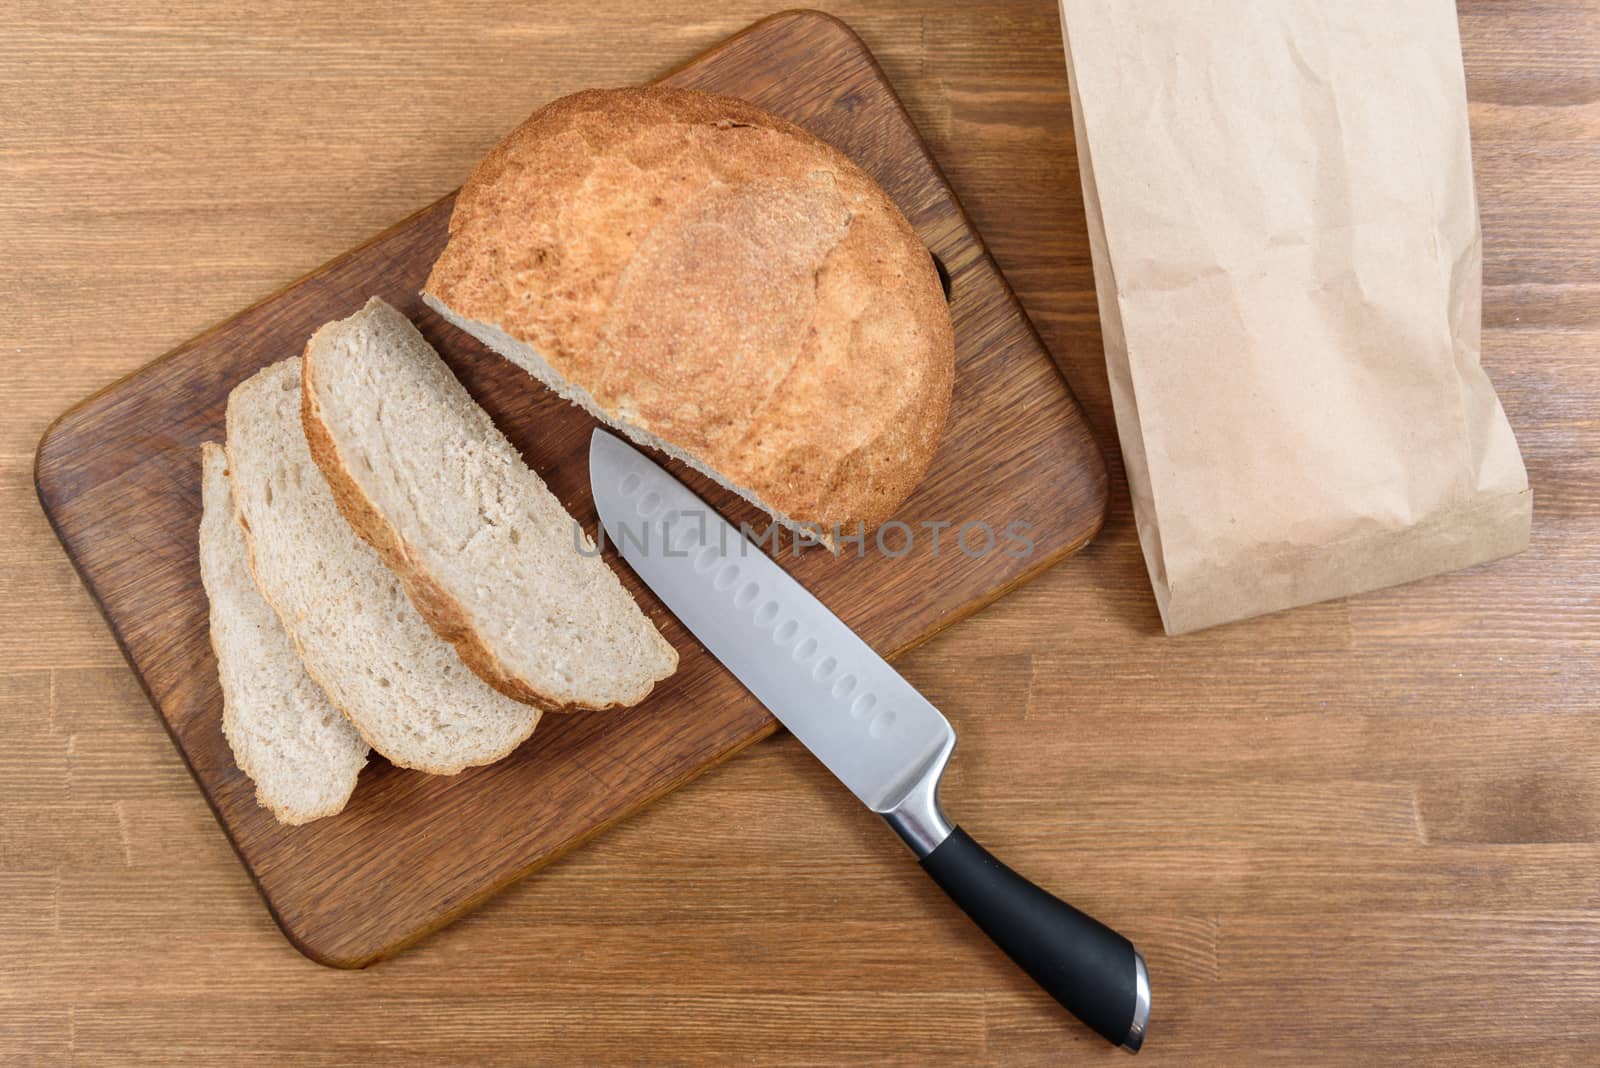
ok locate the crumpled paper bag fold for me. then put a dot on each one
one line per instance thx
(1288, 264)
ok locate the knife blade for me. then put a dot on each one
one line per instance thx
(866, 724)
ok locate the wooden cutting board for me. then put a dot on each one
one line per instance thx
(119, 478)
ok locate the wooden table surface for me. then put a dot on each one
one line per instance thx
(1360, 829)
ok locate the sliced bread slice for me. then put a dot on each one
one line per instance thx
(489, 556)
(358, 634)
(301, 753)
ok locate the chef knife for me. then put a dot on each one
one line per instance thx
(867, 725)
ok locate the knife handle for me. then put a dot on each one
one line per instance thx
(1094, 972)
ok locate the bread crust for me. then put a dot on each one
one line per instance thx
(721, 279)
(434, 603)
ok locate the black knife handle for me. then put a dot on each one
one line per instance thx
(1090, 969)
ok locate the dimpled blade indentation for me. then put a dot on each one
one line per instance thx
(841, 705)
(881, 724)
(862, 708)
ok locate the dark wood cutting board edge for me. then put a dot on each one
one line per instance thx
(1086, 513)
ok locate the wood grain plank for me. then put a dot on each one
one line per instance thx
(55, 624)
(118, 478)
(165, 165)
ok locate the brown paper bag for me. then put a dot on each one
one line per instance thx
(1288, 263)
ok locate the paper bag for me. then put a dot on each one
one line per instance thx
(1288, 263)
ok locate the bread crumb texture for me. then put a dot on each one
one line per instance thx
(286, 736)
(358, 635)
(488, 555)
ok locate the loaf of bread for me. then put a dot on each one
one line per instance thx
(358, 634)
(718, 283)
(300, 752)
(490, 558)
